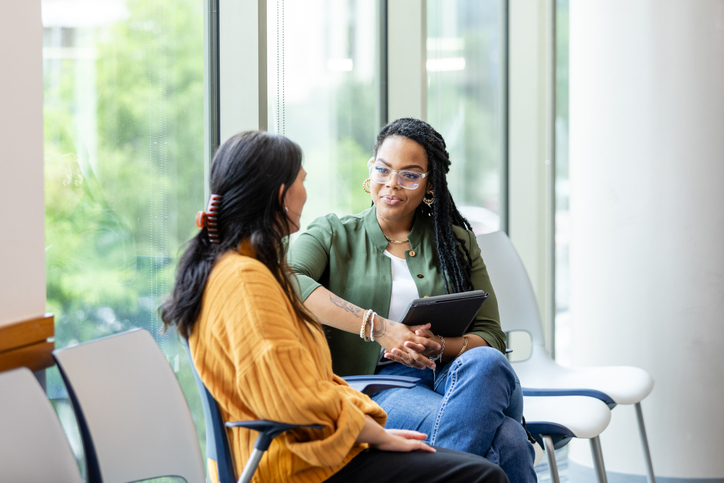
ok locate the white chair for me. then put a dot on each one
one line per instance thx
(133, 417)
(540, 375)
(33, 446)
(554, 420)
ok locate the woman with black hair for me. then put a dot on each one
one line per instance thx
(263, 356)
(358, 273)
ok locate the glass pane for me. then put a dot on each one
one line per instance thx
(464, 102)
(323, 91)
(562, 189)
(124, 164)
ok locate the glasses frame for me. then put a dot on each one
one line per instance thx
(396, 172)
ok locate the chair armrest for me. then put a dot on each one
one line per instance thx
(268, 430)
(560, 435)
(529, 391)
(375, 383)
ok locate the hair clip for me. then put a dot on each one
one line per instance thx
(208, 219)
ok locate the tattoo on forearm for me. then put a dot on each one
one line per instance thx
(383, 328)
(344, 305)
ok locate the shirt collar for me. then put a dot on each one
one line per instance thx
(416, 236)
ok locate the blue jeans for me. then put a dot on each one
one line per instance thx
(473, 403)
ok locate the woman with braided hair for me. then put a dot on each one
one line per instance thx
(358, 273)
(263, 356)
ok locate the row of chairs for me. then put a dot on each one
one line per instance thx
(135, 423)
(577, 399)
(133, 418)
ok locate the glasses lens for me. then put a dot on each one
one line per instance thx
(379, 174)
(408, 179)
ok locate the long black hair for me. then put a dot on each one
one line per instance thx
(247, 171)
(454, 256)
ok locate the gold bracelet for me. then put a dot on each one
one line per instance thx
(465, 345)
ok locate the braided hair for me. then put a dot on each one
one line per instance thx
(455, 260)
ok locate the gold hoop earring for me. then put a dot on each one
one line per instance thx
(366, 185)
(429, 201)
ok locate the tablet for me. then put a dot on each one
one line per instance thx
(450, 314)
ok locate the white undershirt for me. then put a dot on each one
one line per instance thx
(404, 289)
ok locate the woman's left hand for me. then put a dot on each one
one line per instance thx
(393, 337)
(421, 349)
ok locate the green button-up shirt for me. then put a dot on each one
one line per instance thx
(346, 255)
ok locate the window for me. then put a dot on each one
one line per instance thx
(124, 164)
(562, 189)
(465, 73)
(323, 72)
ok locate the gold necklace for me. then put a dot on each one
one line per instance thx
(396, 242)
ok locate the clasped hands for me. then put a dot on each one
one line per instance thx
(412, 346)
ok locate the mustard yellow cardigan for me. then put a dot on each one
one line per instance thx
(260, 362)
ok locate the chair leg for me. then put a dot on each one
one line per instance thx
(551, 452)
(250, 467)
(598, 460)
(645, 444)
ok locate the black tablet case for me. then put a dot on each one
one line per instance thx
(450, 314)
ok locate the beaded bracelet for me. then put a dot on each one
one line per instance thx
(363, 329)
(372, 326)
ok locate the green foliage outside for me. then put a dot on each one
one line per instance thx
(124, 163)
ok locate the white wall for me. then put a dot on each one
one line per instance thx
(647, 247)
(22, 232)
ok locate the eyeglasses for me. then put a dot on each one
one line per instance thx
(381, 174)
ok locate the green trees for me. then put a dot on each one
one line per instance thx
(124, 164)
(124, 171)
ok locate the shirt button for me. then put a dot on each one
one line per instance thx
(419, 275)
(412, 253)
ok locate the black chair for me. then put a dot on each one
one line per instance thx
(220, 465)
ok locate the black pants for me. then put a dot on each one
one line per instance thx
(444, 466)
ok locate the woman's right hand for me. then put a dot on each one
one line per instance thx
(400, 341)
(402, 441)
(399, 440)
(392, 336)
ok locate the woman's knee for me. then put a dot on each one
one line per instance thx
(487, 360)
(511, 443)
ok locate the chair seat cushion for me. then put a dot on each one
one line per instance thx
(584, 417)
(623, 384)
